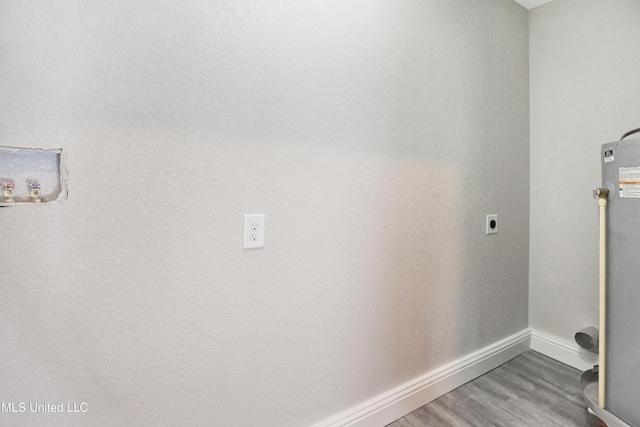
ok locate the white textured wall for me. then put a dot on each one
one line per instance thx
(585, 57)
(375, 135)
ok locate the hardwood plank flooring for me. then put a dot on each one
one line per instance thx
(530, 390)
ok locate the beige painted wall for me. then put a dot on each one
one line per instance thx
(374, 135)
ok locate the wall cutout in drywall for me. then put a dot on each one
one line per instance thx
(32, 175)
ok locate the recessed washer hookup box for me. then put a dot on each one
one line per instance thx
(31, 176)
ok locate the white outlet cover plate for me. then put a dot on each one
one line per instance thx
(253, 231)
(492, 217)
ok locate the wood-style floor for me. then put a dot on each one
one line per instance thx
(530, 390)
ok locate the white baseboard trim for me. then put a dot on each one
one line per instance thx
(398, 402)
(566, 352)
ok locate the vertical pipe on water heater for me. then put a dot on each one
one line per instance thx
(602, 194)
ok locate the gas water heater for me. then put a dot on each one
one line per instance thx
(621, 176)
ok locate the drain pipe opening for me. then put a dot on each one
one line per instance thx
(589, 339)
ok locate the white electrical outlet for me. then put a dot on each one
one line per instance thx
(492, 224)
(253, 231)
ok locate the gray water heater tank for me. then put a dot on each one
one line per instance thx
(621, 175)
